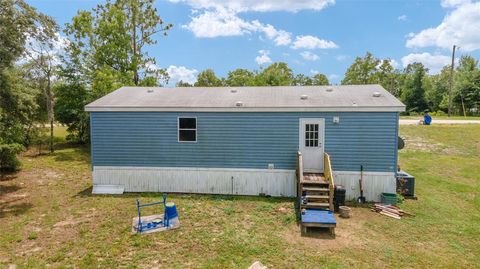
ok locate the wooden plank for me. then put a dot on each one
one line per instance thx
(313, 205)
(316, 196)
(390, 215)
(315, 189)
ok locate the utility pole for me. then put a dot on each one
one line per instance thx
(451, 83)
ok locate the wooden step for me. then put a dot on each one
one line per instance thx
(319, 182)
(315, 189)
(316, 197)
(315, 205)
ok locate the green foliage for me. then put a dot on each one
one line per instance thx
(437, 95)
(413, 91)
(240, 77)
(302, 80)
(107, 45)
(182, 83)
(371, 70)
(71, 100)
(362, 71)
(320, 79)
(8, 156)
(107, 50)
(207, 78)
(467, 85)
(276, 74)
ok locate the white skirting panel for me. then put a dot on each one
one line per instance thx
(272, 182)
(374, 183)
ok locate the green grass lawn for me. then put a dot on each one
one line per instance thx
(48, 218)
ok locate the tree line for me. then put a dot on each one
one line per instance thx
(46, 78)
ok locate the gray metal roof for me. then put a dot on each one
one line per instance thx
(246, 99)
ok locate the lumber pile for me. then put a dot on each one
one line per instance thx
(390, 211)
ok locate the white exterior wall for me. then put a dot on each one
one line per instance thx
(374, 183)
(274, 182)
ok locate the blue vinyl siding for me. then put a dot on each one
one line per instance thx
(241, 140)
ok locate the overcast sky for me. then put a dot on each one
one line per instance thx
(310, 35)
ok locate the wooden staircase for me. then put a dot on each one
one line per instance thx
(315, 190)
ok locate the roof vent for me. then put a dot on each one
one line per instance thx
(354, 103)
(329, 89)
(150, 90)
(239, 103)
(304, 97)
(233, 90)
(377, 94)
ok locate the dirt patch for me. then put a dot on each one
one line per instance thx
(347, 233)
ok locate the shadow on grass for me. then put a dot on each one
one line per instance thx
(11, 206)
(87, 192)
(318, 233)
(8, 189)
(6, 176)
(9, 209)
(72, 153)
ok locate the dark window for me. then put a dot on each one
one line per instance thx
(187, 129)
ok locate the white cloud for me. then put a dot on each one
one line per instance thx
(33, 49)
(212, 19)
(263, 58)
(312, 42)
(223, 22)
(182, 73)
(309, 56)
(218, 23)
(402, 17)
(434, 63)
(259, 6)
(342, 58)
(454, 3)
(460, 27)
(394, 63)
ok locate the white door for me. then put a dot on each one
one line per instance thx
(312, 138)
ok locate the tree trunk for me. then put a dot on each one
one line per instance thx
(50, 112)
(136, 78)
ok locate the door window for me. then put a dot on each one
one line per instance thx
(311, 135)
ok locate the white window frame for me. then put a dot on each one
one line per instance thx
(187, 129)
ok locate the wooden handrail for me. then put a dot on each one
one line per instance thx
(299, 172)
(327, 168)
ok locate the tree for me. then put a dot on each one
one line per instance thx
(240, 77)
(320, 79)
(18, 21)
(108, 43)
(467, 85)
(107, 49)
(207, 78)
(302, 80)
(362, 71)
(70, 103)
(42, 66)
(182, 83)
(437, 95)
(388, 77)
(413, 91)
(276, 74)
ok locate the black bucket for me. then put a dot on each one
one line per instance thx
(339, 197)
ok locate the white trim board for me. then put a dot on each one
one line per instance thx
(92, 108)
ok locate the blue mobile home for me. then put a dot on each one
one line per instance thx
(243, 140)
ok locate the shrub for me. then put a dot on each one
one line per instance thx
(8, 156)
